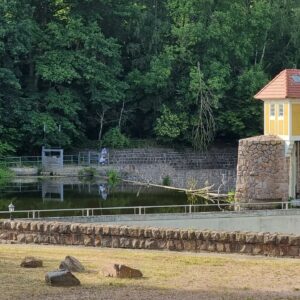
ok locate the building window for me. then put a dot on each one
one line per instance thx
(272, 111)
(281, 111)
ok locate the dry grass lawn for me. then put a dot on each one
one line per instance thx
(167, 275)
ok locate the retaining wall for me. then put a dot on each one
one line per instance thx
(61, 233)
(214, 158)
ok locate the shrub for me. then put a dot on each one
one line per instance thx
(88, 172)
(6, 149)
(113, 178)
(167, 181)
(5, 175)
(231, 197)
(113, 138)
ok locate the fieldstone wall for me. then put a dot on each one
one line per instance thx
(214, 158)
(226, 178)
(149, 238)
(263, 170)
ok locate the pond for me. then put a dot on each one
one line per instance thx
(61, 193)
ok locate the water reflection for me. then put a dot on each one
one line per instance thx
(53, 193)
(103, 191)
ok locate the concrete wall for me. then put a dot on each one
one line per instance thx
(149, 238)
(263, 170)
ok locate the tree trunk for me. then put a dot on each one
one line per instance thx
(121, 114)
(101, 125)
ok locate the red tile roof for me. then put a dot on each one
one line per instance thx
(285, 85)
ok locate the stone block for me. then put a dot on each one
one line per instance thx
(88, 240)
(4, 236)
(215, 236)
(77, 239)
(258, 249)
(115, 230)
(220, 247)
(227, 247)
(47, 228)
(98, 229)
(125, 242)
(135, 243)
(151, 244)
(133, 232)
(211, 246)
(293, 251)
(246, 248)
(170, 233)
(141, 232)
(251, 238)
(106, 241)
(97, 241)
(199, 235)
(106, 230)
(7, 225)
(115, 242)
(206, 235)
(191, 235)
(170, 245)
(294, 240)
(124, 231)
(282, 239)
(21, 238)
(240, 237)
(189, 245)
(176, 234)
(29, 238)
(75, 228)
(148, 232)
(156, 233)
(270, 238)
(184, 234)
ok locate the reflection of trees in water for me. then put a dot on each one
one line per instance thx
(87, 195)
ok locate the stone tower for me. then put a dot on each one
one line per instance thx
(268, 165)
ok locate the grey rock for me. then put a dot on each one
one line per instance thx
(71, 264)
(61, 278)
(31, 262)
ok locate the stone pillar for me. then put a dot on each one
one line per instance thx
(263, 170)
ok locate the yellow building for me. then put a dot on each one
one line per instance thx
(281, 97)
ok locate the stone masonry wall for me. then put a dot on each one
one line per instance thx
(215, 167)
(180, 178)
(214, 158)
(39, 232)
(263, 170)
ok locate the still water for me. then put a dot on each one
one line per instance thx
(56, 193)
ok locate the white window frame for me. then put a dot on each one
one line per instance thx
(272, 109)
(280, 109)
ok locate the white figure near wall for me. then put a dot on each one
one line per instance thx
(103, 158)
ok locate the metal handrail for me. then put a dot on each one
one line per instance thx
(141, 210)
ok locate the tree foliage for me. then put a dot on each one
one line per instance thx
(91, 67)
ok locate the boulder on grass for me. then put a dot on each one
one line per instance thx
(61, 278)
(121, 271)
(71, 264)
(31, 262)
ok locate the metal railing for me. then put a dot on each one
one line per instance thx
(90, 158)
(141, 210)
(21, 161)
